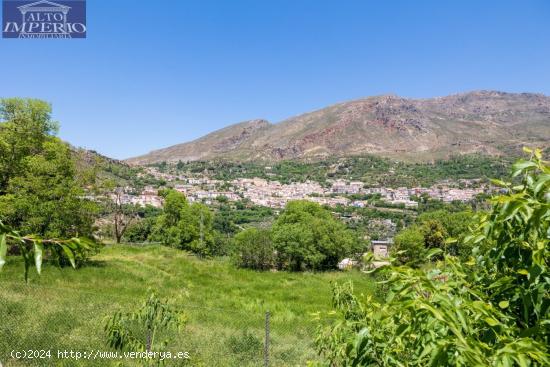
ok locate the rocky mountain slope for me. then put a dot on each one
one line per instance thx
(487, 122)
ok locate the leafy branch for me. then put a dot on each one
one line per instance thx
(34, 249)
(137, 330)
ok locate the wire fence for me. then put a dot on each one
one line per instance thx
(50, 326)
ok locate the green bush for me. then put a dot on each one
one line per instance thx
(493, 310)
(456, 225)
(186, 226)
(307, 237)
(253, 249)
(139, 231)
(408, 246)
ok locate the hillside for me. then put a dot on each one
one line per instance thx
(487, 122)
(90, 163)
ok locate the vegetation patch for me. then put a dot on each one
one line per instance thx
(220, 303)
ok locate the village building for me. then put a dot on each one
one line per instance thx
(381, 248)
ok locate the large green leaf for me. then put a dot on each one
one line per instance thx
(69, 254)
(26, 258)
(433, 252)
(3, 250)
(522, 165)
(503, 304)
(38, 254)
(543, 179)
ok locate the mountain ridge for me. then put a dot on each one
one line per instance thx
(488, 122)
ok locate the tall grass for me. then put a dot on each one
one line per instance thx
(66, 308)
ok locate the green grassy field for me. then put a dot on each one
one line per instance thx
(65, 309)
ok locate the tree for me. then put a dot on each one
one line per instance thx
(490, 311)
(25, 124)
(513, 248)
(223, 222)
(195, 226)
(123, 214)
(408, 246)
(434, 234)
(412, 243)
(184, 226)
(253, 248)
(40, 189)
(165, 229)
(45, 198)
(139, 230)
(456, 226)
(306, 236)
(174, 203)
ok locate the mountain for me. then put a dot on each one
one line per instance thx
(487, 122)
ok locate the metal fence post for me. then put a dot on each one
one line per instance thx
(266, 344)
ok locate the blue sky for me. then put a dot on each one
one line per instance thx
(156, 73)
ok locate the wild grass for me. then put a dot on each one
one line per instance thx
(65, 309)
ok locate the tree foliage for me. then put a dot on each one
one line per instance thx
(185, 226)
(40, 190)
(140, 230)
(513, 253)
(408, 246)
(307, 236)
(490, 311)
(25, 124)
(373, 170)
(455, 226)
(253, 248)
(440, 229)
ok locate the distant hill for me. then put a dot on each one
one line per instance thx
(488, 122)
(120, 172)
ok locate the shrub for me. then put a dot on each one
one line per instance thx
(408, 246)
(253, 248)
(139, 231)
(456, 225)
(139, 330)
